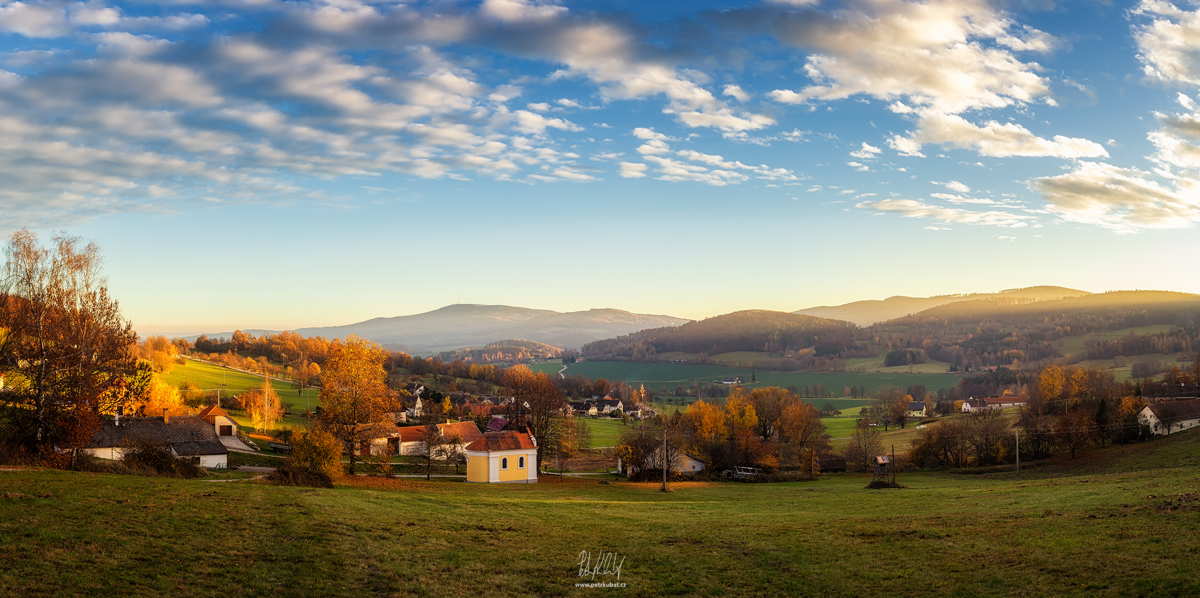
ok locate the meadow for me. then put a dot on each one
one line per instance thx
(1124, 525)
(213, 378)
(665, 377)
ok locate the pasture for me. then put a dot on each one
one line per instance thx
(664, 377)
(1124, 526)
(213, 378)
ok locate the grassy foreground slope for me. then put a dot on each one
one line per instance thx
(1110, 532)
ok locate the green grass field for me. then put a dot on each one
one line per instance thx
(666, 376)
(230, 382)
(1121, 524)
(1078, 344)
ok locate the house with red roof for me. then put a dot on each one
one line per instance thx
(503, 457)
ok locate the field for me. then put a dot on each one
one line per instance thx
(231, 382)
(666, 376)
(1124, 528)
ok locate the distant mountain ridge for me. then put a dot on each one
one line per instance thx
(468, 325)
(865, 313)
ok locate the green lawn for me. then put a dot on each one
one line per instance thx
(1116, 530)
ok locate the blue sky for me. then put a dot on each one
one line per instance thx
(284, 164)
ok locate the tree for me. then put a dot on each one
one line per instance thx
(354, 391)
(1076, 430)
(68, 355)
(263, 406)
(434, 447)
(317, 451)
(865, 444)
(542, 402)
(800, 423)
(769, 404)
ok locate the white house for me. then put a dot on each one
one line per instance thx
(187, 437)
(974, 405)
(916, 409)
(1171, 416)
(684, 462)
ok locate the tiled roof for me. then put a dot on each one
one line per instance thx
(915, 406)
(502, 441)
(184, 430)
(411, 433)
(467, 432)
(1005, 399)
(1173, 411)
(497, 424)
(199, 447)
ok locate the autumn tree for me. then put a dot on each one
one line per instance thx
(769, 404)
(542, 402)
(354, 391)
(317, 451)
(67, 355)
(263, 406)
(801, 423)
(1076, 430)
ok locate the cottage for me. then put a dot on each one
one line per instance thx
(1171, 416)
(503, 457)
(916, 409)
(187, 437)
(584, 408)
(974, 405)
(607, 404)
(685, 463)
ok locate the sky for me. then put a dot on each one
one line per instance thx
(275, 165)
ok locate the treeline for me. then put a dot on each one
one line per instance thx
(804, 339)
(1066, 410)
(511, 351)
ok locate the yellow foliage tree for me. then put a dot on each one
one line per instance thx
(263, 406)
(317, 451)
(354, 390)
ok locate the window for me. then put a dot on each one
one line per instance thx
(504, 463)
(521, 463)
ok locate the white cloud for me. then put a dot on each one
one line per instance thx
(909, 208)
(954, 186)
(1124, 200)
(633, 170)
(866, 152)
(536, 124)
(736, 92)
(930, 59)
(1168, 44)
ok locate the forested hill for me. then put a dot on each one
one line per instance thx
(750, 330)
(511, 350)
(1090, 313)
(990, 333)
(865, 313)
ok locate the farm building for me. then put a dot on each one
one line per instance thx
(186, 437)
(1164, 418)
(503, 457)
(916, 409)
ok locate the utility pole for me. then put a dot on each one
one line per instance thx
(663, 457)
(1018, 435)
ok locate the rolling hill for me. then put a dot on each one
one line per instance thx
(458, 326)
(865, 313)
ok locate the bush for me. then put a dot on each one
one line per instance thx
(317, 452)
(295, 476)
(149, 458)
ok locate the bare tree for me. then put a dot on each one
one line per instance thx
(865, 445)
(434, 447)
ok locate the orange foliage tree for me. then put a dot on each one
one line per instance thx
(354, 391)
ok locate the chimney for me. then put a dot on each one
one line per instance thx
(166, 418)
